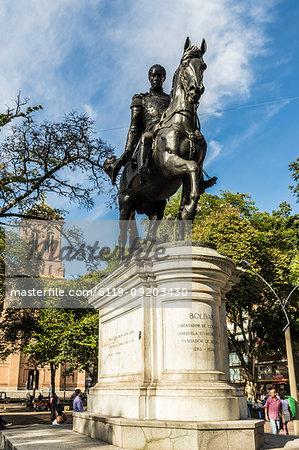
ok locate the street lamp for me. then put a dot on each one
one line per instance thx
(287, 334)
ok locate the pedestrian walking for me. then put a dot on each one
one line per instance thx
(273, 411)
(27, 398)
(49, 392)
(78, 403)
(257, 405)
(287, 414)
(53, 403)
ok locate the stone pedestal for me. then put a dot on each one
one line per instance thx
(163, 344)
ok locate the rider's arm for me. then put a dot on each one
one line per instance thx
(136, 127)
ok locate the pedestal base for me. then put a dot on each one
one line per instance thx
(163, 340)
(135, 434)
(217, 401)
(163, 361)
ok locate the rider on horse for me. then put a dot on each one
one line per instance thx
(177, 156)
(146, 112)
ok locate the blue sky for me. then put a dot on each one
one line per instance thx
(94, 55)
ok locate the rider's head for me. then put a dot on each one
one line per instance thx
(156, 76)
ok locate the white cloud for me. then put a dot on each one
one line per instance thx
(37, 39)
(90, 111)
(94, 55)
(214, 149)
(66, 52)
(149, 33)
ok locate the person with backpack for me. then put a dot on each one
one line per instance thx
(287, 414)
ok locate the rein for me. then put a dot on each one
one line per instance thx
(165, 118)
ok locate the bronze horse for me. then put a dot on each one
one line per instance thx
(177, 157)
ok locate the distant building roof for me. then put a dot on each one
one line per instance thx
(43, 210)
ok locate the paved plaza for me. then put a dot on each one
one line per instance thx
(50, 437)
(32, 430)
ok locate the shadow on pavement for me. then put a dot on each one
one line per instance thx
(29, 419)
(276, 441)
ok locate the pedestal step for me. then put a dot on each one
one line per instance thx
(49, 438)
(134, 434)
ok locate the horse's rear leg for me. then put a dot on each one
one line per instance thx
(155, 216)
(125, 214)
(133, 234)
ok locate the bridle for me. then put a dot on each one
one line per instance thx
(184, 81)
(184, 112)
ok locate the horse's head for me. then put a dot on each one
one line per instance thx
(191, 70)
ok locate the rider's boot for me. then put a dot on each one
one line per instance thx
(143, 155)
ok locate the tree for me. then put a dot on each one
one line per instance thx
(54, 335)
(18, 111)
(40, 158)
(80, 346)
(294, 168)
(36, 333)
(269, 243)
(61, 157)
(43, 347)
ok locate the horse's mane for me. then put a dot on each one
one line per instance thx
(174, 82)
(189, 53)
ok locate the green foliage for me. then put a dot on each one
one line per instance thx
(269, 242)
(208, 203)
(52, 337)
(80, 342)
(233, 236)
(294, 269)
(16, 329)
(294, 168)
(43, 346)
(17, 111)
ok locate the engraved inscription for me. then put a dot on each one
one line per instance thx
(114, 343)
(199, 332)
(191, 338)
(120, 349)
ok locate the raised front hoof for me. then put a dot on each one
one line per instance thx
(205, 184)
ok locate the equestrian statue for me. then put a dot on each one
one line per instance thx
(164, 150)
